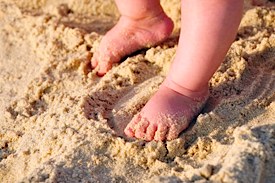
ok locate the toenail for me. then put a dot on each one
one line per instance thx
(100, 74)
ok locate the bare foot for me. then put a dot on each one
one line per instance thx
(167, 113)
(130, 35)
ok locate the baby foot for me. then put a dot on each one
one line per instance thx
(167, 113)
(130, 35)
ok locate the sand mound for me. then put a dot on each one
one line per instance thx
(59, 122)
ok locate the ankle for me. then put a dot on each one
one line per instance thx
(149, 18)
(139, 9)
(198, 94)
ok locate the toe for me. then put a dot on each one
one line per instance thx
(94, 61)
(173, 132)
(161, 132)
(130, 128)
(141, 128)
(150, 132)
(104, 67)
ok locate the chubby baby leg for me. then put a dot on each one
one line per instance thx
(208, 29)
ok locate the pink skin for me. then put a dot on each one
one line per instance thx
(166, 114)
(139, 26)
(208, 29)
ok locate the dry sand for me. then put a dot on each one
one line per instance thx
(55, 115)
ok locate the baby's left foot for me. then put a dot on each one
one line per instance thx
(130, 35)
(167, 113)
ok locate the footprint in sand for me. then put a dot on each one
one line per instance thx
(122, 92)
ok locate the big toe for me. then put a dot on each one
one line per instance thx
(173, 132)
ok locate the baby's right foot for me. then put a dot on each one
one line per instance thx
(167, 113)
(128, 36)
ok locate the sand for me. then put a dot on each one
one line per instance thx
(59, 122)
